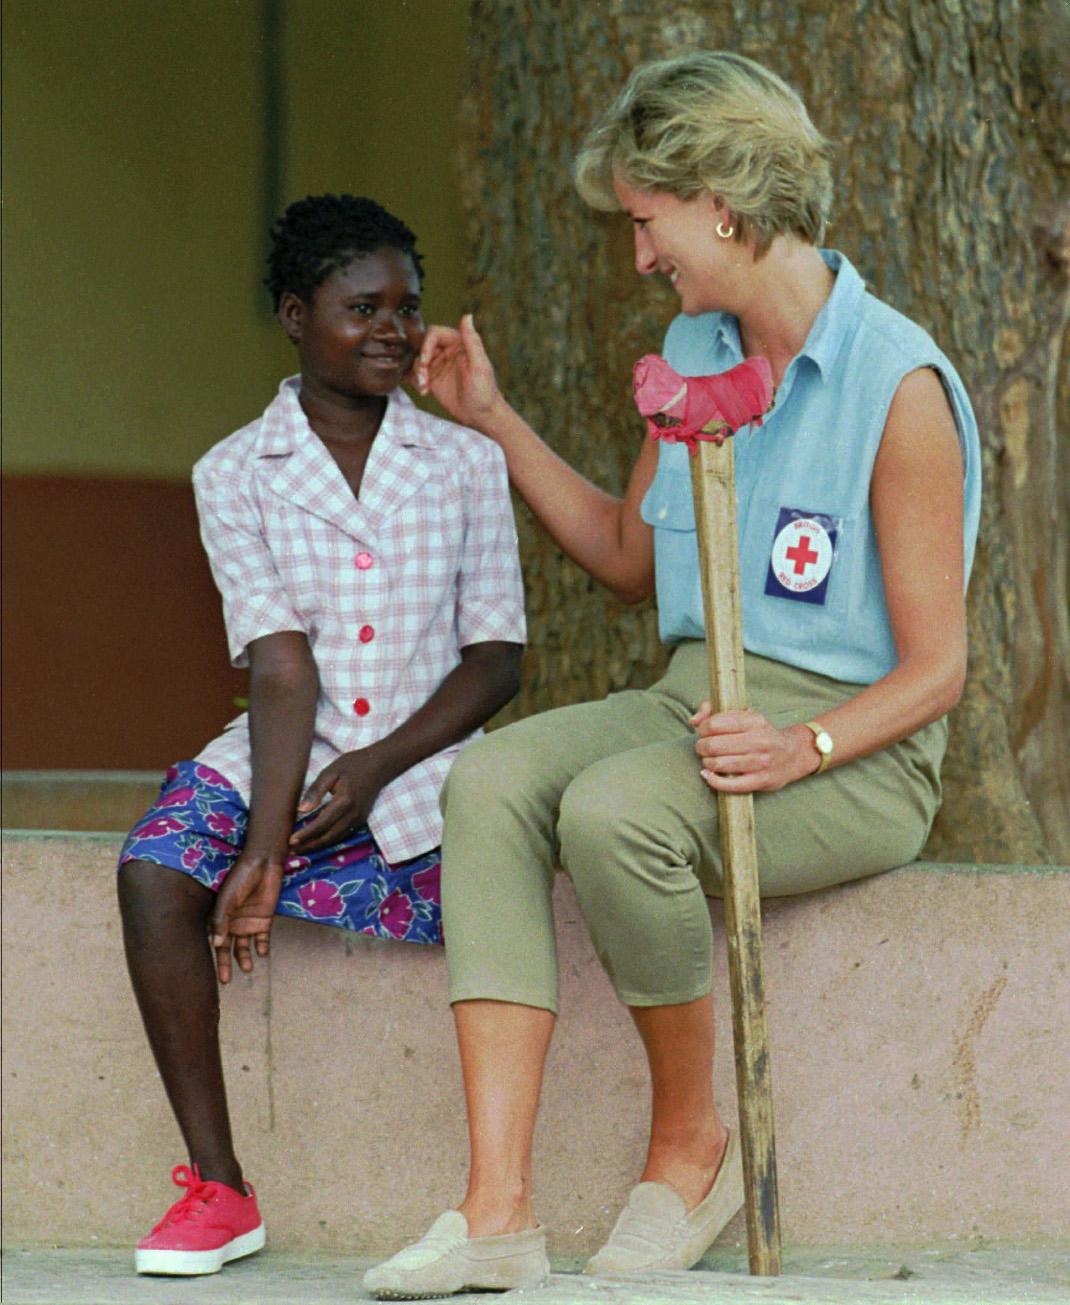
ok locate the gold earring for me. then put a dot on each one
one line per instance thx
(725, 235)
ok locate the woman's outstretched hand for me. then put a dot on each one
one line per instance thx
(453, 367)
(741, 752)
(244, 911)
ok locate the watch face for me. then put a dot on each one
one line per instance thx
(823, 742)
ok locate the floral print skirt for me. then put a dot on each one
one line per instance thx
(197, 826)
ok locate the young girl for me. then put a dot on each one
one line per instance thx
(366, 555)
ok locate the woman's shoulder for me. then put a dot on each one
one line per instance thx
(880, 327)
(887, 346)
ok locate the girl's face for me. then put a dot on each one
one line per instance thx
(363, 330)
(678, 238)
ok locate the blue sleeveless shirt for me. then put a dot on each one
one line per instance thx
(812, 591)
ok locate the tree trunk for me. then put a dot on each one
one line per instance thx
(952, 119)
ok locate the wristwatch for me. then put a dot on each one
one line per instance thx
(823, 743)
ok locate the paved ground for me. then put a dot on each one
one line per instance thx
(973, 1275)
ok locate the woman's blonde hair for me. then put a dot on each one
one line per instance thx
(714, 122)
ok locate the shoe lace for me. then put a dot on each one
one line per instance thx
(195, 1199)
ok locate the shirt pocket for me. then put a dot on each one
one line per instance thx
(668, 504)
(797, 563)
(669, 507)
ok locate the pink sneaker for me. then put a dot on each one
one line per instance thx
(210, 1225)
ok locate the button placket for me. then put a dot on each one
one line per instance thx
(364, 561)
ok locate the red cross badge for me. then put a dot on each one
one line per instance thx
(802, 554)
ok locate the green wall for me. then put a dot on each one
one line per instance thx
(136, 332)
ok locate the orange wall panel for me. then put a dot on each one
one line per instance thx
(113, 646)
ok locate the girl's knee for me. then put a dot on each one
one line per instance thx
(132, 883)
(150, 894)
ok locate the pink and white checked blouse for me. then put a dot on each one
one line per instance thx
(388, 587)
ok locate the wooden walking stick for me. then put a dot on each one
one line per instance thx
(703, 412)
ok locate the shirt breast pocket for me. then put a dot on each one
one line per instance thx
(796, 561)
(669, 507)
(668, 503)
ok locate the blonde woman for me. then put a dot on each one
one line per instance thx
(858, 509)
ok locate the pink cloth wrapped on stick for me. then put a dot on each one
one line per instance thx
(686, 409)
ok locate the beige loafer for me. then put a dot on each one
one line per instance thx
(655, 1230)
(446, 1260)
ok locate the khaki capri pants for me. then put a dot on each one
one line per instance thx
(612, 792)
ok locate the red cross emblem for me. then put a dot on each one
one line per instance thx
(802, 554)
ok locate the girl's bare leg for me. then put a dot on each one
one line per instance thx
(687, 1135)
(165, 921)
(503, 1049)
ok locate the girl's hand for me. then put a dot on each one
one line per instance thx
(742, 752)
(244, 911)
(453, 367)
(353, 782)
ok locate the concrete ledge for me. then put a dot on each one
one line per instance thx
(920, 1063)
(76, 799)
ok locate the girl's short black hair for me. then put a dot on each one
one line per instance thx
(322, 233)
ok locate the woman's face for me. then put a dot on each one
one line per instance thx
(678, 238)
(363, 329)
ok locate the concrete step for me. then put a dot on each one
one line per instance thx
(920, 1062)
(897, 1276)
(76, 799)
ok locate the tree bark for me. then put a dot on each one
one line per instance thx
(952, 122)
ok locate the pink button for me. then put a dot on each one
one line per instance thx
(364, 560)
(362, 706)
(367, 633)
